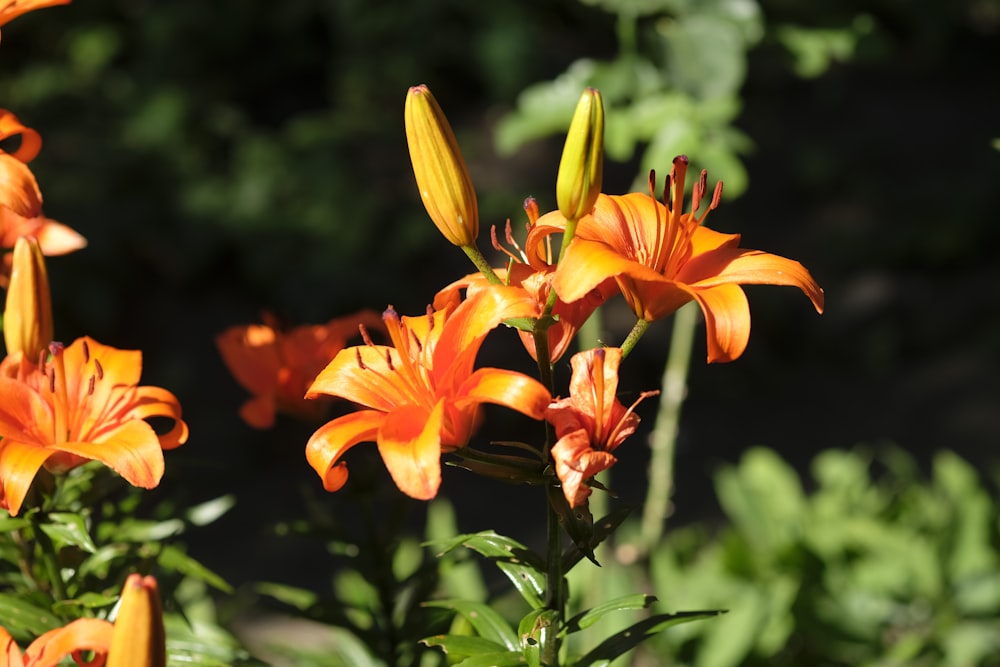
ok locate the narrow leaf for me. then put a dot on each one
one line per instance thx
(587, 618)
(622, 642)
(487, 622)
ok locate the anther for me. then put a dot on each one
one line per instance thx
(716, 197)
(357, 356)
(652, 183)
(365, 337)
(86, 352)
(90, 385)
(388, 361)
(99, 368)
(52, 379)
(531, 209)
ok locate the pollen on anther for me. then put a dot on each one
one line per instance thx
(99, 368)
(90, 385)
(365, 337)
(86, 352)
(357, 355)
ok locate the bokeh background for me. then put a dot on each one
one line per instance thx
(227, 157)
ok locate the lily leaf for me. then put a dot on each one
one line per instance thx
(523, 567)
(587, 618)
(487, 622)
(172, 558)
(463, 646)
(23, 620)
(505, 659)
(602, 530)
(622, 642)
(67, 529)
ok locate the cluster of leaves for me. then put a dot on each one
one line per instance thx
(91, 545)
(866, 569)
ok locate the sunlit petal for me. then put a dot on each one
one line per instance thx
(727, 321)
(330, 441)
(410, 444)
(19, 463)
(84, 634)
(508, 388)
(132, 450)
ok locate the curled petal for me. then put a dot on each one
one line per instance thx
(18, 189)
(508, 388)
(575, 462)
(159, 402)
(19, 463)
(84, 634)
(132, 450)
(330, 441)
(727, 321)
(410, 444)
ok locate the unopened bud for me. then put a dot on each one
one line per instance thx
(27, 315)
(442, 177)
(138, 639)
(582, 164)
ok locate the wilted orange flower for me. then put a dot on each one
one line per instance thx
(136, 638)
(278, 366)
(531, 270)
(21, 200)
(82, 403)
(591, 423)
(662, 258)
(422, 395)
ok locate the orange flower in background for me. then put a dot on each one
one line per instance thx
(532, 272)
(136, 639)
(591, 423)
(278, 366)
(11, 9)
(21, 199)
(422, 396)
(663, 258)
(82, 403)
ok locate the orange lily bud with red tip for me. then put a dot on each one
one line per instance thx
(138, 639)
(27, 315)
(442, 177)
(581, 168)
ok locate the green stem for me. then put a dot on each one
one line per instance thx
(633, 336)
(663, 439)
(49, 562)
(554, 595)
(472, 252)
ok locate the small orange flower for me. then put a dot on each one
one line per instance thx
(21, 199)
(663, 258)
(422, 395)
(82, 403)
(532, 271)
(277, 366)
(591, 423)
(83, 634)
(11, 9)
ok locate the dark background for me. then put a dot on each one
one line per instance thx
(232, 156)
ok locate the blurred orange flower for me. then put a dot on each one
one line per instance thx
(591, 423)
(422, 395)
(21, 199)
(81, 404)
(663, 258)
(83, 634)
(278, 366)
(11, 9)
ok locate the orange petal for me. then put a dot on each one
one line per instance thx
(727, 321)
(18, 189)
(508, 388)
(344, 378)
(19, 463)
(575, 462)
(17, 7)
(752, 267)
(587, 264)
(251, 355)
(31, 141)
(132, 450)
(10, 655)
(56, 238)
(259, 412)
(159, 402)
(479, 314)
(331, 440)
(83, 634)
(410, 444)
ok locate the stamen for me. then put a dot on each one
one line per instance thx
(365, 337)
(99, 368)
(90, 385)
(597, 372)
(388, 360)
(532, 210)
(416, 340)
(652, 183)
(86, 352)
(52, 379)
(357, 356)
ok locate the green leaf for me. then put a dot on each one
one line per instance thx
(622, 642)
(505, 659)
(68, 530)
(534, 629)
(172, 558)
(587, 618)
(299, 598)
(523, 567)
(487, 622)
(463, 646)
(578, 521)
(86, 601)
(9, 524)
(210, 511)
(602, 530)
(23, 620)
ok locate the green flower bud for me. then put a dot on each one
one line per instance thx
(582, 163)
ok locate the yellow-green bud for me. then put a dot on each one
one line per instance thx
(582, 164)
(442, 178)
(27, 315)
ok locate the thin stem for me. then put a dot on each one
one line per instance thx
(663, 439)
(633, 336)
(472, 252)
(554, 595)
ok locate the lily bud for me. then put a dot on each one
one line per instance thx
(442, 178)
(582, 165)
(138, 639)
(27, 315)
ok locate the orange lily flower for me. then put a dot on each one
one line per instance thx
(663, 258)
(532, 272)
(82, 403)
(136, 639)
(21, 199)
(11, 9)
(591, 423)
(423, 397)
(278, 366)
